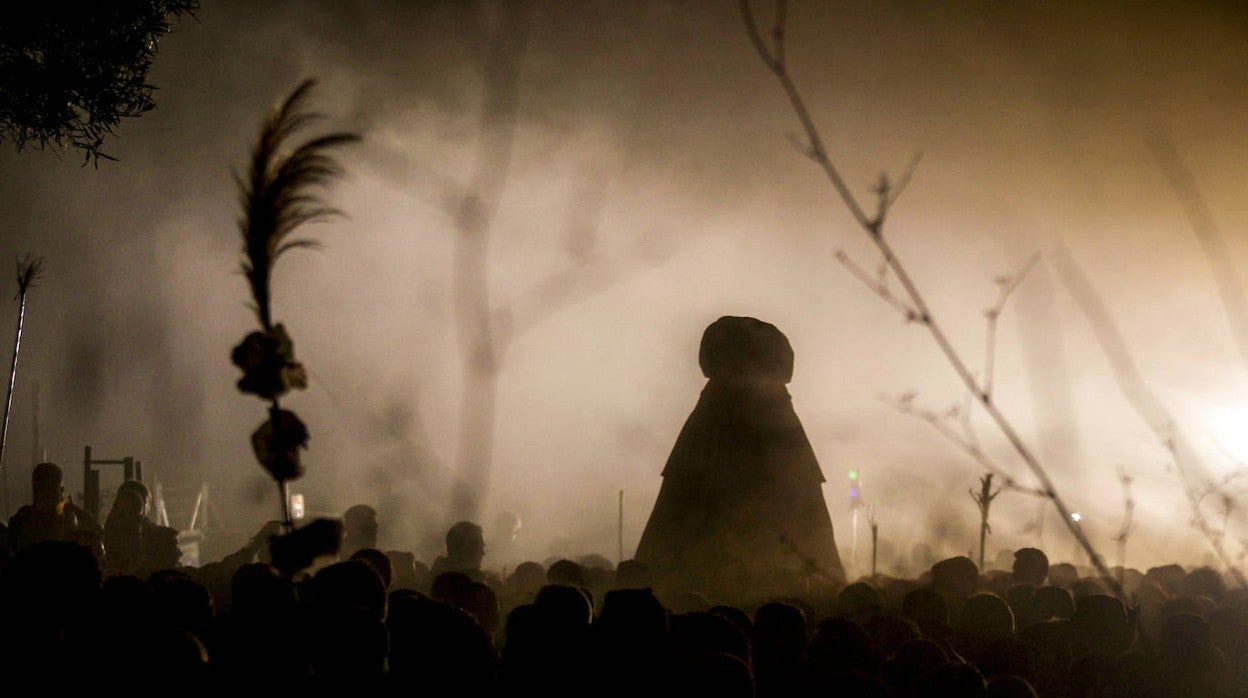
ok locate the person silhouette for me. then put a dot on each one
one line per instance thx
(741, 509)
(51, 515)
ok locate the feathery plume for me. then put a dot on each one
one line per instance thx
(278, 196)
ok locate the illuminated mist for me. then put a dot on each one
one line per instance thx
(653, 189)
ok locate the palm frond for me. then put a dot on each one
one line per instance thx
(278, 194)
(29, 271)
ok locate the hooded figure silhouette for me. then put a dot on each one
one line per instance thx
(741, 512)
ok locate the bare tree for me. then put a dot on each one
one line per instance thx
(498, 34)
(910, 302)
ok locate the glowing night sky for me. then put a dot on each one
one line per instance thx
(654, 126)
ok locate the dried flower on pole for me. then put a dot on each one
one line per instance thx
(278, 196)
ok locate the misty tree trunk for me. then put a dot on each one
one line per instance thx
(481, 349)
(480, 374)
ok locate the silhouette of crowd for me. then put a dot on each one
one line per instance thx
(736, 590)
(96, 609)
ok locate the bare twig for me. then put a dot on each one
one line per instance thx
(1128, 523)
(878, 285)
(1005, 287)
(964, 438)
(874, 227)
(875, 537)
(983, 499)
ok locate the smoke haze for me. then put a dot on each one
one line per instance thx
(652, 190)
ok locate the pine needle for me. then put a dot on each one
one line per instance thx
(278, 196)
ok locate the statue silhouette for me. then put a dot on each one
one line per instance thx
(741, 510)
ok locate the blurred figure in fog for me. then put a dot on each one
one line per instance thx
(1031, 566)
(51, 515)
(465, 548)
(359, 524)
(124, 530)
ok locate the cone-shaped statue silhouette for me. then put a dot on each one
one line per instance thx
(741, 511)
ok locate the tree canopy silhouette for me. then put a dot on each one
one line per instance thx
(70, 71)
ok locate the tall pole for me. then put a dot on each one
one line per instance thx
(875, 544)
(620, 529)
(37, 454)
(853, 547)
(28, 271)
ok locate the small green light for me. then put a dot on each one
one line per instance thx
(853, 475)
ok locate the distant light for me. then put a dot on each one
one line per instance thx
(853, 492)
(1225, 424)
(853, 475)
(296, 506)
(1076, 517)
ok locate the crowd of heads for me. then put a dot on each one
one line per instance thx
(102, 608)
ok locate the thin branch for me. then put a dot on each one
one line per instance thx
(777, 30)
(983, 500)
(966, 441)
(1128, 524)
(1005, 287)
(878, 286)
(774, 61)
(874, 229)
(1128, 510)
(888, 196)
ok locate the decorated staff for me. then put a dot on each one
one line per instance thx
(277, 198)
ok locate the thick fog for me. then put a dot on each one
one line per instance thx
(653, 188)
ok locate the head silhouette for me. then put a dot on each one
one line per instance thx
(465, 544)
(47, 485)
(140, 490)
(359, 525)
(744, 349)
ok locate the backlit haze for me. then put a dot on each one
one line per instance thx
(654, 126)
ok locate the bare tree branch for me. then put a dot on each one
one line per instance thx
(1005, 287)
(874, 227)
(878, 286)
(966, 441)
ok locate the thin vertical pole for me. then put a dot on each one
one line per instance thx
(287, 523)
(8, 403)
(875, 544)
(620, 529)
(853, 548)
